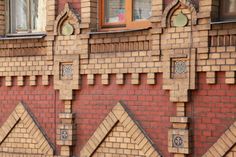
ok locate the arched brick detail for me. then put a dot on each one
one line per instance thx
(175, 4)
(68, 11)
(121, 115)
(223, 144)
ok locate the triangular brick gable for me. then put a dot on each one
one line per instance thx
(224, 144)
(21, 120)
(119, 114)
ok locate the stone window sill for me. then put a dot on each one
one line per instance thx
(23, 36)
(118, 31)
(223, 22)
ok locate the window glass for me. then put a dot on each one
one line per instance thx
(38, 15)
(141, 9)
(230, 6)
(114, 11)
(27, 16)
(227, 9)
(20, 19)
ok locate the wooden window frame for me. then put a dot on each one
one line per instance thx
(225, 16)
(129, 24)
(10, 24)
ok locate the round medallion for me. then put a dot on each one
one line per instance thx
(64, 134)
(67, 29)
(180, 20)
(180, 67)
(178, 141)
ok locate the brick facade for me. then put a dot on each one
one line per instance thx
(167, 90)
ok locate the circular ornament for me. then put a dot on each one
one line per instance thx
(180, 20)
(67, 29)
(178, 141)
(64, 135)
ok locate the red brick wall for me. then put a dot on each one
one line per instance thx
(42, 101)
(212, 110)
(75, 4)
(149, 104)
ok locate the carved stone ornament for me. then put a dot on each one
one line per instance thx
(64, 135)
(66, 71)
(180, 20)
(178, 141)
(67, 29)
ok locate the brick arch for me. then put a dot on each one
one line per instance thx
(224, 144)
(174, 5)
(68, 11)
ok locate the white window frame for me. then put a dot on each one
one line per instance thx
(10, 23)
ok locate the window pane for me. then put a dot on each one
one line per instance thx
(114, 11)
(230, 6)
(141, 9)
(20, 14)
(38, 15)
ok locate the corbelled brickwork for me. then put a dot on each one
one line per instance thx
(176, 77)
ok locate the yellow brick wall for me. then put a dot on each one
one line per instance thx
(232, 152)
(20, 141)
(118, 144)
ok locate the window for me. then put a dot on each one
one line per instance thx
(26, 16)
(122, 14)
(227, 9)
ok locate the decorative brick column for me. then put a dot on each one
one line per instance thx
(179, 69)
(67, 73)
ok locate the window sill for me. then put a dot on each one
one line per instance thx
(107, 31)
(223, 22)
(23, 36)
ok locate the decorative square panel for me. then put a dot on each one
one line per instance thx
(66, 70)
(64, 135)
(178, 141)
(179, 68)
